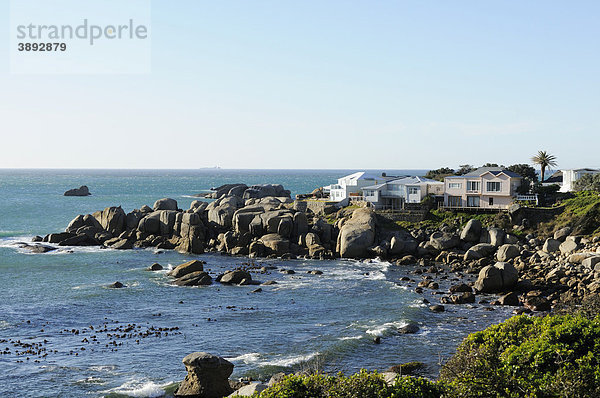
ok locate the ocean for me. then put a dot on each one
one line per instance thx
(64, 333)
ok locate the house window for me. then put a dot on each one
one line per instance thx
(454, 185)
(473, 186)
(494, 186)
(413, 191)
(454, 201)
(472, 201)
(491, 201)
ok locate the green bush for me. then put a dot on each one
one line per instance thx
(552, 356)
(360, 385)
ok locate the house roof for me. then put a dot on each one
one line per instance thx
(375, 187)
(492, 170)
(413, 181)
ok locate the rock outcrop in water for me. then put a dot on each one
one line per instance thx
(208, 376)
(81, 191)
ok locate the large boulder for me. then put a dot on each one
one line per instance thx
(235, 277)
(568, 246)
(357, 234)
(551, 245)
(498, 277)
(261, 191)
(472, 231)
(192, 232)
(187, 268)
(478, 251)
(81, 191)
(443, 240)
(198, 278)
(507, 252)
(165, 204)
(220, 212)
(208, 376)
(496, 236)
(562, 234)
(590, 262)
(83, 221)
(275, 244)
(112, 219)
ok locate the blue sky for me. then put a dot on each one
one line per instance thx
(324, 84)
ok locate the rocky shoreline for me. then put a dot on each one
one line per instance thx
(262, 221)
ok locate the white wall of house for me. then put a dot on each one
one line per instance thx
(570, 176)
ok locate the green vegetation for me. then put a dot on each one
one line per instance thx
(581, 213)
(588, 182)
(553, 356)
(360, 385)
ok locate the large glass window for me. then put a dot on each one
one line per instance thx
(454, 201)
(473, 186)
(413, 190)
(454, 185)
(472, 201)
(494, 186)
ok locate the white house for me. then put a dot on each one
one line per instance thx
(570, 176)
(351, 185)
(486, 187)
(394, 193)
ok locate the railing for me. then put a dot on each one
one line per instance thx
(528, 198)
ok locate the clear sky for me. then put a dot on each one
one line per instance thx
(324, 84)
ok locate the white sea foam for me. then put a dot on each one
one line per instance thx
(141, 388)
(250, 357)
(381, 329)
(350, 338)
(4, 325)
(289, 360)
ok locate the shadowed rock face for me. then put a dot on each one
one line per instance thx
(207, 376)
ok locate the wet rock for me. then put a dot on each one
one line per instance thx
(437, 308)
(207, 376)
(197, 278)
(537, 303)
(186, 268)
(461, 288)
(257, 290)
(411, 328)
(269, 283)
(510, 299)
(155, 267)
(234, 277)
(116, 285)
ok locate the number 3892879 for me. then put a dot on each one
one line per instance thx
(42, 46)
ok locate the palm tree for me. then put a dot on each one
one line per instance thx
(544, 159)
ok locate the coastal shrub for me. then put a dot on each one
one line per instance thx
(581, 213)
(363, 384)
(551, 356)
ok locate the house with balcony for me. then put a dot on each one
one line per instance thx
(350, 186)
(486, 188)
(393, 194)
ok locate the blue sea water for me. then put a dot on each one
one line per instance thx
(64, 333)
